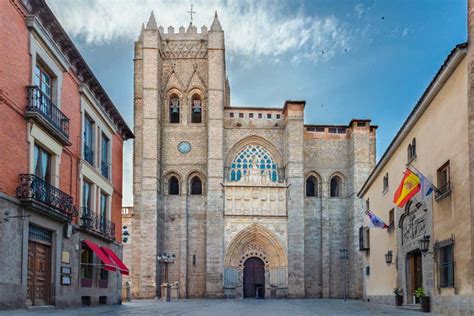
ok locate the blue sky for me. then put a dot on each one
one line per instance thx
(347, 59)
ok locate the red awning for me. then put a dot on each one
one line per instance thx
(122, 267)
(108, 264)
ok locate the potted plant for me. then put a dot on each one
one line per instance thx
(398, 296)
(424, 299)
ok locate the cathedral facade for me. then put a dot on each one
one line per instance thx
(248, 202)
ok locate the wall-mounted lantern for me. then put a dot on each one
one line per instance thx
(388, 257)
(425, 244)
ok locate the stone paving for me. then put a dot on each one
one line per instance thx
(228, 308)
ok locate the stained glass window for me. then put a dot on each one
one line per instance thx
(253, 156)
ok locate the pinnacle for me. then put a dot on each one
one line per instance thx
(151, 22)
(216, 25)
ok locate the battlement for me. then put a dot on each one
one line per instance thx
(182, 32)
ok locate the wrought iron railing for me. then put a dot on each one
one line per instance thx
(36, 189)
(91, 221)
(105, 169)
(88, 154)
(40, 103)
(443, 191)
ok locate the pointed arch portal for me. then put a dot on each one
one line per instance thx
(255, 263)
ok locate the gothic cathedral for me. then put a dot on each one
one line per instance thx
(246, 201)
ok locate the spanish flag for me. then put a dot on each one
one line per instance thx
(409, 186)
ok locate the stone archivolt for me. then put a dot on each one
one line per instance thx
(261, 242)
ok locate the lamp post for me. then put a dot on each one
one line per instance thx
(344, 256)
(165, 259)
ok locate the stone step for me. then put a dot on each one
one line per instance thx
(412, 307)
(41, 308)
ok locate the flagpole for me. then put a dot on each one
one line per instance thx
(418, 171)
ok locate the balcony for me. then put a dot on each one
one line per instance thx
(42, 109)
(100, 227)
(105, 169)
(41, 196)
(443, 191)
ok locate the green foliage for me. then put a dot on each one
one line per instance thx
(398, 291)
(420, 292)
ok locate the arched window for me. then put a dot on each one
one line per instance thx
(409, 152)
(413, 148)
(173, 186)
(196, 109)
(336, 186)
(253, 156)
(385, 182)
(174, 108)
(196, 186)
(311, 186)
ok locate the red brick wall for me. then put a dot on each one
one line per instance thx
(117, 172)
(70, 106)
(15, 75)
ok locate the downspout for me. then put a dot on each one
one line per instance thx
(321, 233)
(187, 242)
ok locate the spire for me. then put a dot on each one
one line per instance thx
(152, 22)
(216, 25)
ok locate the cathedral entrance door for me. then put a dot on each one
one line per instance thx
(254, 278)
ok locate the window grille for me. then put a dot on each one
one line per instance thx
(39, 234)
(446, 262)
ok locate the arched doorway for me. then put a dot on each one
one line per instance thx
(254, 278)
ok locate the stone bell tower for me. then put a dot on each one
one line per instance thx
(175, 72)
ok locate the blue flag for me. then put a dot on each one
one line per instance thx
(426, 185)
(376, 221)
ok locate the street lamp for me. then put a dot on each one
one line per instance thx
(165, 259)
(425, 244)
(344, 256)
(388, 257)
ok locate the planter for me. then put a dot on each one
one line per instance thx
(398, 300)
(425, 304)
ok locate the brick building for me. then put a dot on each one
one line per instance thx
(246, 202)
(61, 141)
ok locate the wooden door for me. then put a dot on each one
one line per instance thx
(414, 275)
(254, 278)
(39, 274)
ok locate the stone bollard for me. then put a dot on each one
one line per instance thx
(127, 292)
(175, 291)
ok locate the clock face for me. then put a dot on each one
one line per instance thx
(184, 147)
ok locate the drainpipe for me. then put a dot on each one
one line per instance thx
(321, 233)
(187, 241)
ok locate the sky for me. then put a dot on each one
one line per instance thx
(347, 58)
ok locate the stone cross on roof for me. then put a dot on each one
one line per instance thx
(191, 13)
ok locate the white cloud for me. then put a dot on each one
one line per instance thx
(359, 9)
(253, 29)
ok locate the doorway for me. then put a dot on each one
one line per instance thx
(38, 290)
(39, 274)
(414, 275)
(254, 278)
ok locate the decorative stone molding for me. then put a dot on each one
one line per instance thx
(184, 49)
